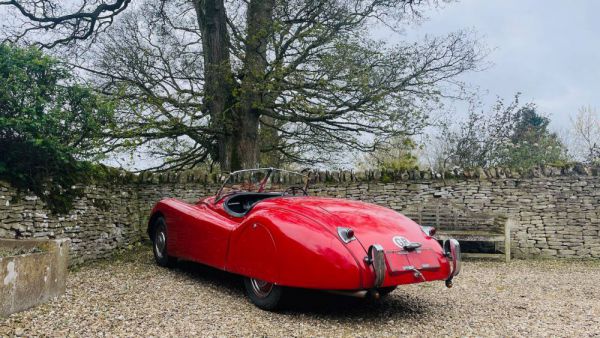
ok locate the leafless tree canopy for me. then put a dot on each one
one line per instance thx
(585, 135)
(510, 135)
(228, 80)
(70, 21)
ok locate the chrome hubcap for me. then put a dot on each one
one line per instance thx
(160, 242)
(261, 288)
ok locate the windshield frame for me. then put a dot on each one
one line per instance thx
(219, 195)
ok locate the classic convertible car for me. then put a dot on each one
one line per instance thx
(263, 226)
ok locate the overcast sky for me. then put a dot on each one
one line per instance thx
(548, 50)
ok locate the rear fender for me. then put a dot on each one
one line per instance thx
(289, 249)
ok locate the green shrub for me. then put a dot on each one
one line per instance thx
(48, 126)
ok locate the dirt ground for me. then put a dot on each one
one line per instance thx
(131, 296)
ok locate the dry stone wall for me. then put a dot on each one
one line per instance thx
(558, 217)
(557, 210)
(106, 218)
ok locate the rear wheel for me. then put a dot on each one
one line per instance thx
(159, 244)
(264, 295)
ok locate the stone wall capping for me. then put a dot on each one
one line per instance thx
(375, 175)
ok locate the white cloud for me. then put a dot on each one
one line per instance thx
(546, 50)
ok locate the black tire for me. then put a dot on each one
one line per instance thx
(386, 290)
(159, 244)
(264, 295)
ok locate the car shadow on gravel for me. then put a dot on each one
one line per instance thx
(228, 282)
(311, 302)
(323, 304)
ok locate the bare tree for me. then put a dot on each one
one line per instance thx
(439, 149)
(476, 142)
(70, 21)
(399, 154)
(206, 78)
(509, 135)
(585, 133)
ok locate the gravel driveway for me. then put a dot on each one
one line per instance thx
(130, 296)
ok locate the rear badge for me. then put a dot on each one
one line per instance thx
(400, 241)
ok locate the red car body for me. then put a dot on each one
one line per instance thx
(295, 241)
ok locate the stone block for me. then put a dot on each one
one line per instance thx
(32, 278)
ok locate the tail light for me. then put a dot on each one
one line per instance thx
(350, 233)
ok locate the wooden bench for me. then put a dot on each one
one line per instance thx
(453, 221)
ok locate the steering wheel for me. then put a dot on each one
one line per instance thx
(294, 191)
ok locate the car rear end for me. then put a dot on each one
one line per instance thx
(391, 259)
(389, 248)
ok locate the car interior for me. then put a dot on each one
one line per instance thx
(239, 204)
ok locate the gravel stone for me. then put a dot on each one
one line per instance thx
(131, 296)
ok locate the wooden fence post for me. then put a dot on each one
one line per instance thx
(507, 226)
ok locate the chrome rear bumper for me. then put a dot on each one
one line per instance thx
(376, 257)
(452, 251)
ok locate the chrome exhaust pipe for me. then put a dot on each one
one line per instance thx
(349, 293)
(372, 293)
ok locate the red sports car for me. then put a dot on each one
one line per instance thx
(263, 225)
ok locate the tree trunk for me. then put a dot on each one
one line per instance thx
(236, 115)
(260, 22)
(270, 141)
(218, 75)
